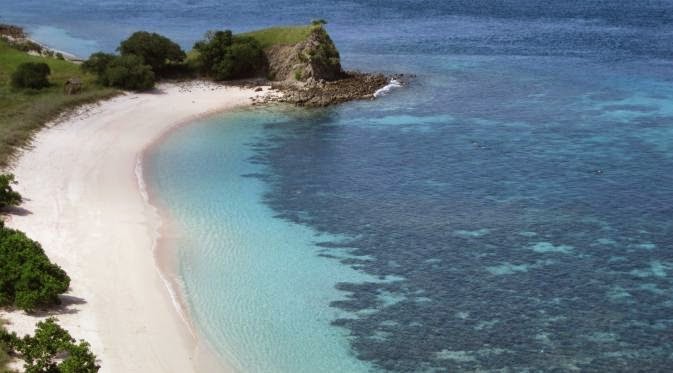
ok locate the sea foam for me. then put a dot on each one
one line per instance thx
(394, 83)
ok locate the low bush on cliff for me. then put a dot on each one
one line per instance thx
(28, 280)
(51, 350)
(222, 56)
(33, 75)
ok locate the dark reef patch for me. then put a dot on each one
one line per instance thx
(489, 253)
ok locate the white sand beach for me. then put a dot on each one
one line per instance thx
(84, 204)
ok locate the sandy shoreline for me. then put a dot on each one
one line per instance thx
(85, 205)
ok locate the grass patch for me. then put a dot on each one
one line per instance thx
(22, 112)
(280, 35)
(285, 35)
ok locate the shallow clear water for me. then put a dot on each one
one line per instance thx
(246, 275)
(510, 208)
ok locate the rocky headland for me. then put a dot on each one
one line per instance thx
(309, 73)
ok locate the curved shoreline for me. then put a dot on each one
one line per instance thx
(85, 203)
(165, 254)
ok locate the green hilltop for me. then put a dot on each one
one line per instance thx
(22, 112)
(288, 35)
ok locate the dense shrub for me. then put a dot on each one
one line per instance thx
(224, 56)
(156, 50)
(98, 63)
(31, 75)
(51, 350)
(129, 72)
(28, 279)
(8, 197)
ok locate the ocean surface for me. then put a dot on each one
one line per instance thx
(511, 208)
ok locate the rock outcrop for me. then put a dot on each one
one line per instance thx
(309, 73)
(351, 86)
(315, 58)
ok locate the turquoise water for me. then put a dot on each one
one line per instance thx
(509, 209)
(249, 283)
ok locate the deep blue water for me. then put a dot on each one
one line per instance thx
(511, 208)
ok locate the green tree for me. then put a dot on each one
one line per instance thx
(28, 279)
(212, 49)
(129, 72)
(38, 351)
(31, 75)
(8, 197)
(223, 56)
(52, 350)
(98, 63)
(156, 50)
(80, 359)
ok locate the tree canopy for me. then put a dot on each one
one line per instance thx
(31, 75)
(28, 279)
(98, 63)
(223, 56)
(51, 350)
(156, 50)
(144, 58)
(129, 72)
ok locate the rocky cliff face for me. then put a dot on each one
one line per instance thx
(309, 73)
(313, 59)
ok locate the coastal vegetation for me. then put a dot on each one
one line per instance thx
(144, 57)
(50, 350)
(155, 50)
(4, 350)
(23, 111)
(34, 75)
(279, 53)
(224, 56)
(98, 63)
(128, 72)
(8, 196)
(28, 279)
(288, 35)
